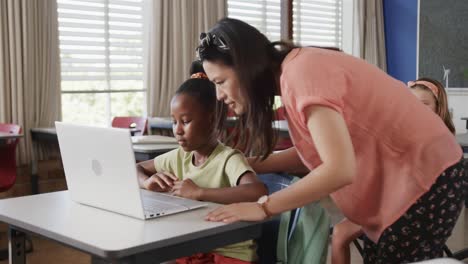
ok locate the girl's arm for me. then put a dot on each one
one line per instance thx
(144, 170)
(282, 161)
(334, 146)
(150, 179)
(249, 189)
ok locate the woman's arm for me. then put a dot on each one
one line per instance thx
(333, 143)
(282, 161)
(249, 189)
(334, 146)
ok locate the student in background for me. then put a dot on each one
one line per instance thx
(432, 94)
(203, 168)
(368, 143)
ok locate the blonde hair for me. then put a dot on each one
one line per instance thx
(441, 100)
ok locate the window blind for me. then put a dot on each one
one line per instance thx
(318, 22)
(101, 40)
(265, 15)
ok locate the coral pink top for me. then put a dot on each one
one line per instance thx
(401, 146)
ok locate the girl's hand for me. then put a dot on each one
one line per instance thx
(187, 189)
(237, 212)
(160, 182)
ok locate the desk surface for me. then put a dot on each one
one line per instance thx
(166, 123)
(143, 144)
(4, 135)
(106, 234)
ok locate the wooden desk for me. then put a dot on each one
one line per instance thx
(115, 238)
(49, 136)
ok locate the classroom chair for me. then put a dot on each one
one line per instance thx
(461, 254)
(8, 157)
(267, 242)
(137, 123)
(294, 237)
(282, 143)
(8, 169)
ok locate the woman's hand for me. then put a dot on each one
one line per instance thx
(237, 212)
(187, 189)
(160, 182)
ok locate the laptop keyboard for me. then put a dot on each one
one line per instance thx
(169, 199)
(154, 206)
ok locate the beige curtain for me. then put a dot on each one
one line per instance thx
(369, 32)
(29, 67)
(174, 29)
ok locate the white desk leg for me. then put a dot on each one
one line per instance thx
(16, 246)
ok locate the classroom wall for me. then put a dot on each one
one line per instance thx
(442, 41)
(401, 40)
(401, 18)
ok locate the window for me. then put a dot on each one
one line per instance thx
(265, 15)
(314, 22)
(101, 51)
(317, 23)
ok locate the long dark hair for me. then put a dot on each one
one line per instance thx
(257, 64)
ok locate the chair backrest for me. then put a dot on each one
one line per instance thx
(137, 122)
(280, 113)
(267, 242)
(10, 128)
(303, 235)
(8, 157)
(282, 143)
(297, 236)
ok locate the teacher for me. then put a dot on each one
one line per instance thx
(388, 162)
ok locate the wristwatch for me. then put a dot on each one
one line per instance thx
(262, 201)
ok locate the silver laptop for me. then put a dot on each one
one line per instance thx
(100, 170)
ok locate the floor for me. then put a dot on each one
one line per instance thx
(50, 252)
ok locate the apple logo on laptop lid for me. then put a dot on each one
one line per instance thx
(96, 167)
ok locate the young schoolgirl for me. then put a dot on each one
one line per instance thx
(202, 168)
(432, 93)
